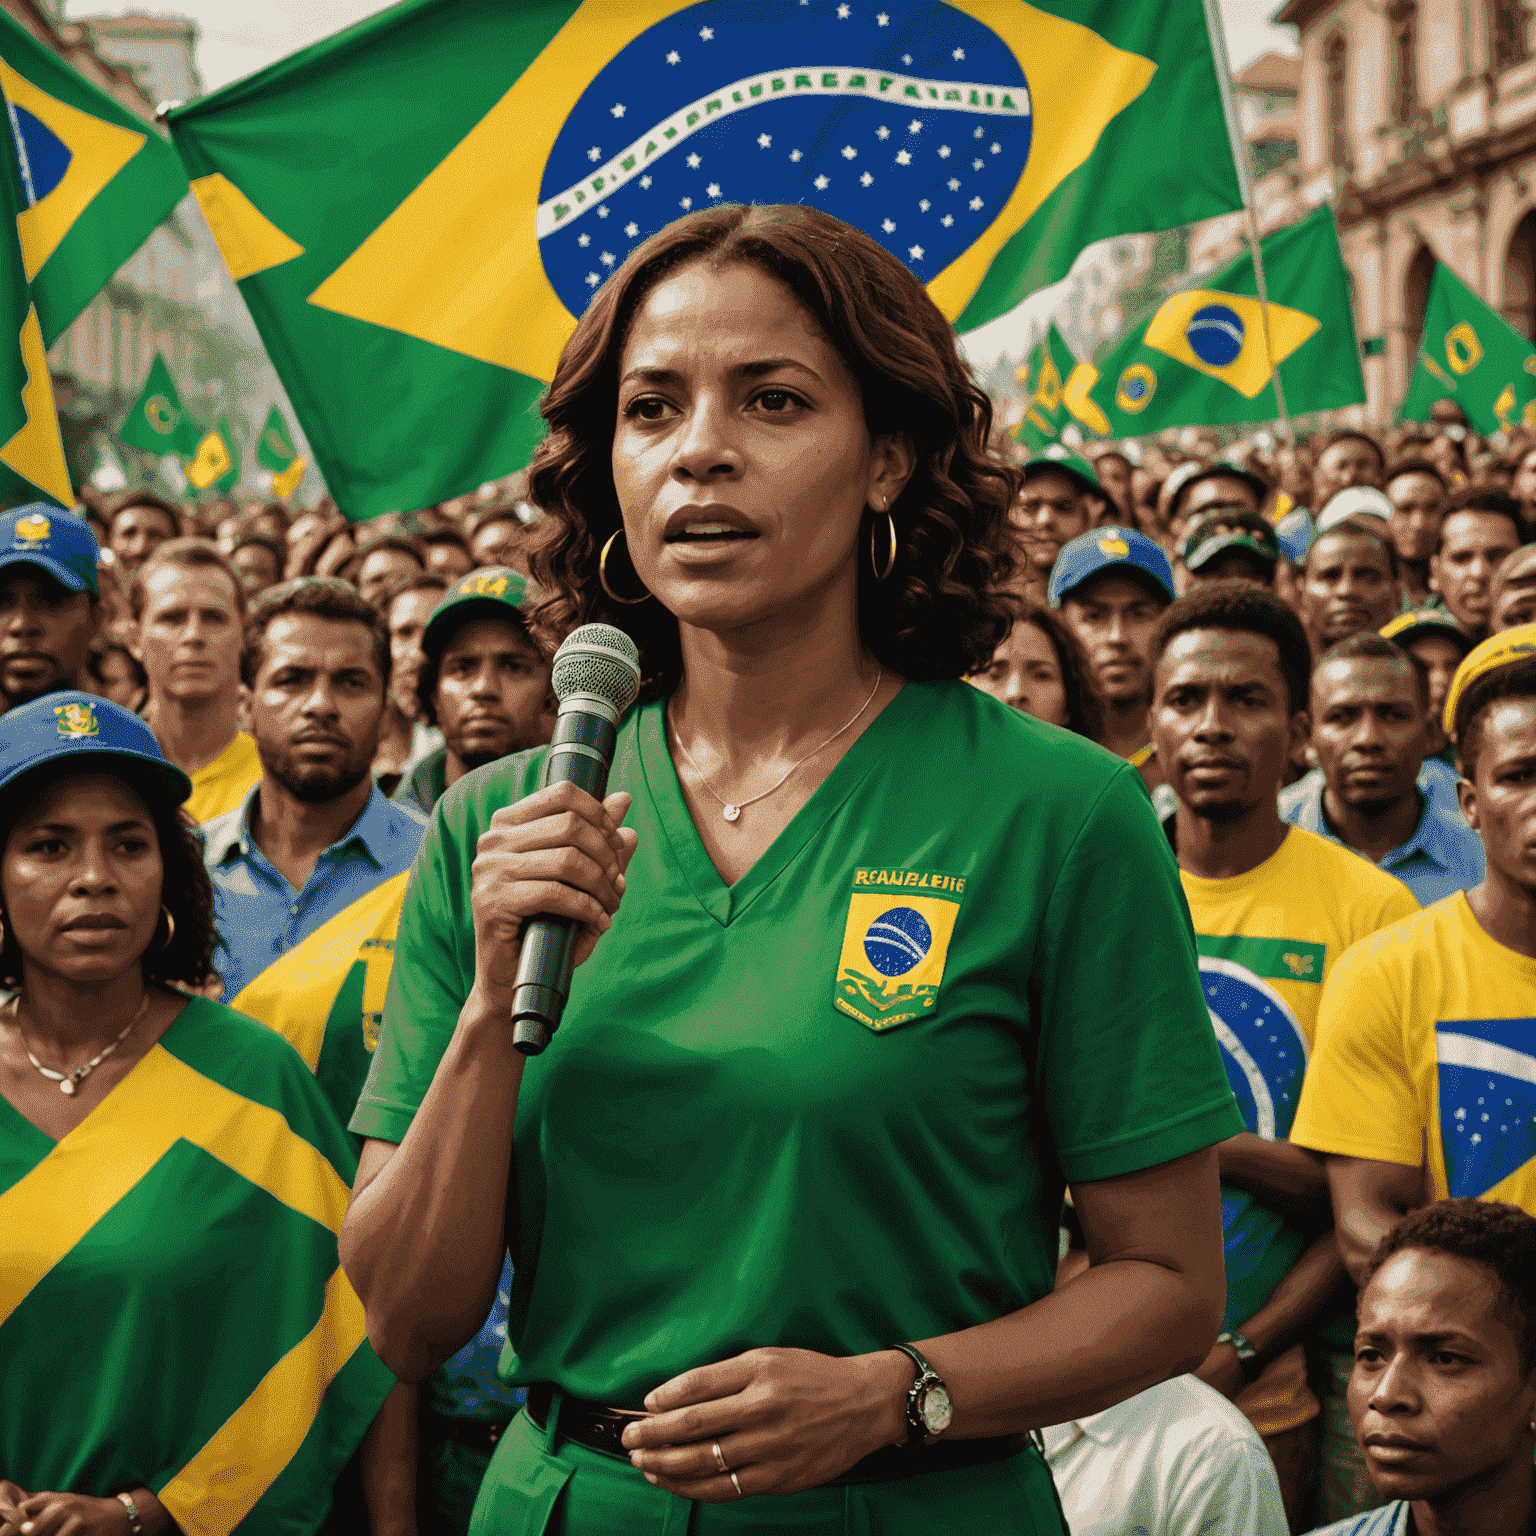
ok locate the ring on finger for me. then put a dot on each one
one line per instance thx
(720, 1460)
(736, 1484)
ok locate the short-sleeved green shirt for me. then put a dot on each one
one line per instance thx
(830, 1106)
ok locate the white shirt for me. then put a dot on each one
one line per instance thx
(1175, 1460)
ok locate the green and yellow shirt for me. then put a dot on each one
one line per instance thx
(831, 1105)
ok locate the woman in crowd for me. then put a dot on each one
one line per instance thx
(1443, 1394)
(171, 1178)
(1040, 670)
(785, 1184)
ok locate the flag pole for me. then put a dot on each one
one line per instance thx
(1218, 40)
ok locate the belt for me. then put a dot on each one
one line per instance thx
(599, 1429)
(473, 1434)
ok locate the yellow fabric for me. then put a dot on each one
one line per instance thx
(223, 784)
(295, 994)
(161, 1101)
(1517, 644)
(1310, 892)
(1397, 1013)
(218, 1488)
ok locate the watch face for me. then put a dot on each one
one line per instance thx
(935, 1410)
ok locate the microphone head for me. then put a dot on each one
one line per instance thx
(600, 660)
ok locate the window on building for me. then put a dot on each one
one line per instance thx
(1520, 277)
(1334, 58)
(1421, 272)
(1508, 32)
(1403, 18)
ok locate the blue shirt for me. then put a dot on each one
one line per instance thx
(467, 1386)
(1443, 856)
(1390, 1520)
(258, 913)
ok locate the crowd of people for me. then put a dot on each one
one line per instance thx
(226, 729)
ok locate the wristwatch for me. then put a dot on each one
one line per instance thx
(1247, 1356)
(929, 1410)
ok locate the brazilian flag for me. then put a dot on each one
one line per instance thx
(1204, 355)
(1044, 376)
(214, 464)
(418, 209)
(183, 1236)
(1472, 355)
(94, 179)
(156, 422)
(275, 451)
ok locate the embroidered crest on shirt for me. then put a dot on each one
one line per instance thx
(895, 943)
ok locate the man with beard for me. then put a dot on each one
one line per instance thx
(49, 612)
(484, 682)
(1273, 909)
(309, 872)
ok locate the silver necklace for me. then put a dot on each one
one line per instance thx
(734, 808)
(69, 1081)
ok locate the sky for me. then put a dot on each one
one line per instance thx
(240, 36)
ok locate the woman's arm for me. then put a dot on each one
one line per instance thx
(387, 1461)
(423, 1238)
(1148, 1308)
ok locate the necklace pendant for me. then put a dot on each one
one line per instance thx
(732, 812)
(67, 1086)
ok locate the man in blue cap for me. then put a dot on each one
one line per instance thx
(48, 602)
(1111, 586)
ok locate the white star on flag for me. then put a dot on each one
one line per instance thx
(887, 226)
(842, 13)
(849, 151)
(981, 133)
(954, 184)
(631, 230)
(584, 240)
(687, 202)
(594, 153)
(883, 19)
(674, 57)
(959, 54)
(975, 202)
(763, 141)
(603, 213)
(866, 180)
(607, 258)
(915, 126)
(593, 278)
(794, 154)
(976, 165)
(925, 205)
(943, 151)
(645, 181)
(997, 149)
(903, 158)
(820, 183)
(882, 132)
(906, 58)
(947, 220)
(707, 33)
(713, 189)
(915, 252)
(617, 109)
(693, 162)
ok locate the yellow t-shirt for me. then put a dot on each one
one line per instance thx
(1430, 1028)
(1266, 941)
(223, 784)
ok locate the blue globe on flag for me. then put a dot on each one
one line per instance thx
(1215, 335)
(897, 940)
(1262, 1046)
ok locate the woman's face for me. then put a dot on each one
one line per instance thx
(740, 455)
(1025, 675)
(81, 877)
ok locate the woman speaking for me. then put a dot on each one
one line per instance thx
(870, 964)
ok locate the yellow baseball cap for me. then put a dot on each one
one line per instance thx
(1500, 650)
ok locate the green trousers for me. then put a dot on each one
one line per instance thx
(538, 1483)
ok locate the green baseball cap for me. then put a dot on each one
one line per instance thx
(492, 592)
(1074, 467)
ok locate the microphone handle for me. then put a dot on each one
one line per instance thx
(580, 753)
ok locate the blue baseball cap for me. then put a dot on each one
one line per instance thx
(72, 726)
(1296, 531)
(1109, 548)
(57, 541)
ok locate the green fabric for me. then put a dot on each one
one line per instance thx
(1142, 387)
(721, 1030)
(399, 95)
(1267, 957)
(274, 448)
(157, 421)
(540, 1483)
(448, 1479)
(1044, 375)
(424, 785)
(196, 1283)
(1470, 354)
(119, 218)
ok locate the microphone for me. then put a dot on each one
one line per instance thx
(596, 675)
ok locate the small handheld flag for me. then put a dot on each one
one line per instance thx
(1471, 355)
(275, 451)
(215, 463)
(156, 422)
(94, 180)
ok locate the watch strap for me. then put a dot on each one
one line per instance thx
(1247, 1356)
(916, 1429)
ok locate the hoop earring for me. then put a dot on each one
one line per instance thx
(890, 554)
(170, 927)
(602, 575)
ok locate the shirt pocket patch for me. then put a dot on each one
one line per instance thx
(895, 945)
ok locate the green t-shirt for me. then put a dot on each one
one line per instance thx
(830, 1106)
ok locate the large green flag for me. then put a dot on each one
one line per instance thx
(94, 179)
(183, 1236)
(418, 209)
(215, 462)
(1202, 355)
(32, 463)
(157, 422)
(1471, 355)
(275, 451)
(1044, 376)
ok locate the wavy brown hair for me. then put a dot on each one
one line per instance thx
(941, 611)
